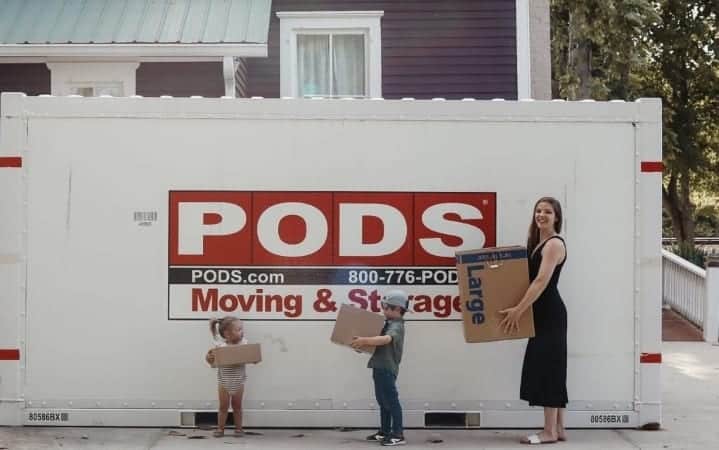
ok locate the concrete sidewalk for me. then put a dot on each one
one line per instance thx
(691, 413)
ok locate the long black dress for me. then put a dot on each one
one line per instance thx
(544, 374)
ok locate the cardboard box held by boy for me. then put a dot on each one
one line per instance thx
(353, 321)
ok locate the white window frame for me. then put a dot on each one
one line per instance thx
(366, 23)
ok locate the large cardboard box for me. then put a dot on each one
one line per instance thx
(490, 280)
(233, 355)
(353, 321)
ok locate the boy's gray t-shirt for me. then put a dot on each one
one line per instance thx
(389, 356)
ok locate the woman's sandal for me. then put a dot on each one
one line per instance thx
(534, 439)
(218, 433)
(239, 433)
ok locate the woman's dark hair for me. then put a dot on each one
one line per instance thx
(533, 236)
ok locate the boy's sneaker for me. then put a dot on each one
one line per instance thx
(390, 441)
(378, 436)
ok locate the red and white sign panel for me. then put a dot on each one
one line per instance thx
(296, 255)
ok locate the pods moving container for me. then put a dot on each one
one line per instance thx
(128, 222)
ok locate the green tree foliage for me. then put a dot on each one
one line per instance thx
(627, 49)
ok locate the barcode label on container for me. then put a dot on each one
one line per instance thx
(145, 216)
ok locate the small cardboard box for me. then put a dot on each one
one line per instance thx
(353, 321)
(490, 280)
(233, 355)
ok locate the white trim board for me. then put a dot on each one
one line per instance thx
(65, 76)
(524, 69)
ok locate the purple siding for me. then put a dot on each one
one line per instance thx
(32, 79)
(430, 48)
(180, 79)
(241, 78)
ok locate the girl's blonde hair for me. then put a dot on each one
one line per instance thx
(219, 326)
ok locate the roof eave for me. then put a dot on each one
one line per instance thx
(240, 50)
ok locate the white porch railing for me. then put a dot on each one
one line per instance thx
(693, 292)
(684, 287)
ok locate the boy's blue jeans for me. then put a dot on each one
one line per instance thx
(385, 390)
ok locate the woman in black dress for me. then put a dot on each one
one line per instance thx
(544, 374)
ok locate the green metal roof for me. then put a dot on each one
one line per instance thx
(134, 21)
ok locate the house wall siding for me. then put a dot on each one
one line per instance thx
(32, 79)
(447, 48)
(180, 79)
(241, 78)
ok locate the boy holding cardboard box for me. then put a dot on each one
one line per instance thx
(385, 366)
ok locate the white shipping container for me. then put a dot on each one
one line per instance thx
(128, 222)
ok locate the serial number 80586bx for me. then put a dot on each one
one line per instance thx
(609, 418)
(48, 417)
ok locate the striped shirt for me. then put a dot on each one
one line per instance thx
(232, 378)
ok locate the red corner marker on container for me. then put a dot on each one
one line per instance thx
(652, 166)
(10, 161)
(9, 354)
(650, 358)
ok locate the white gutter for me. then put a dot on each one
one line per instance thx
(134, 50)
